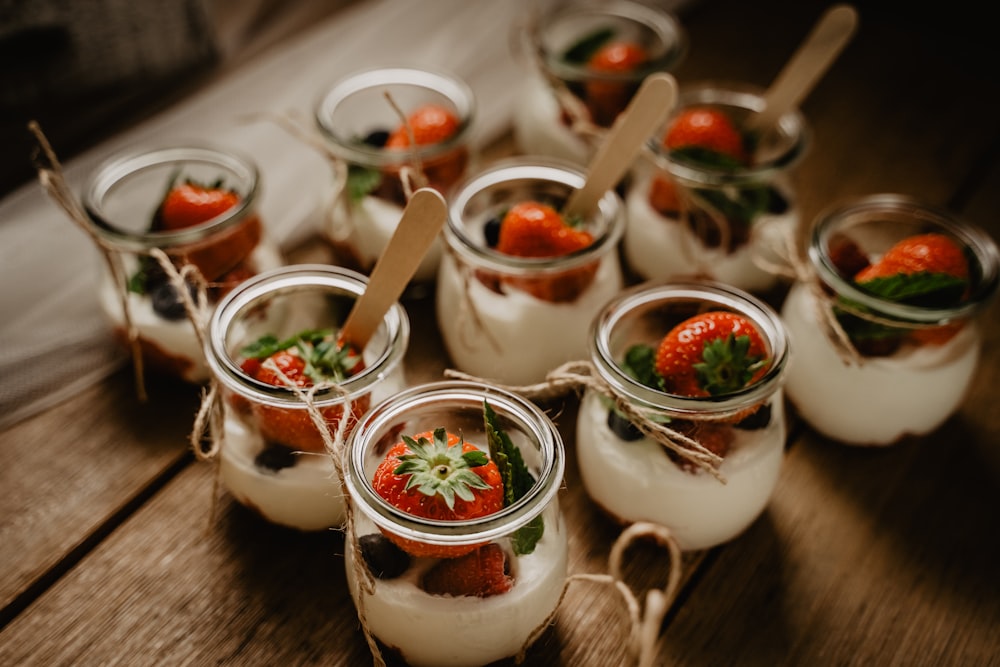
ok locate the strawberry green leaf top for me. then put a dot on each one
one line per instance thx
(517, 479)
(436, 468)
(584, 48)
(322, 357)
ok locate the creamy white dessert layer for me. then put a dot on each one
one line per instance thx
(448, 631)
(637, 481)
(911, 392)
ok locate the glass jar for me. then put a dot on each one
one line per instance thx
(908, 364)
(273, 458)
(691, 220)
(123, 200)
(358, 123)
(408, 601)
(633, 477)
(512, 319)
(567, 103)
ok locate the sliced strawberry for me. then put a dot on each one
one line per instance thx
(847, 256)
(482, 573)
(437, 475)
(305, 359)
(923, 253)
(715, 437)
(533, 229)
(189, 204)
(430, 124)
(606, 99)
(663, 196)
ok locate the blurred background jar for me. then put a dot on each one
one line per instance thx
(585, 61)
(886, 341)
(197, 204)
(282, 328)
(448, 591)
(633, 477)
(513, 300)
(717, 201)
(365, 129)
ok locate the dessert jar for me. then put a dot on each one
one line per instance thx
(716, 201)
(359, 117)
(585, 61)
(870, 365)
(199, 206)
(633, 476)
(512, 318)
(273, 458)
(448, 591)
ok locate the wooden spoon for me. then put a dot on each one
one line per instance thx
(647, 111)
(422, 219)
(814, 56)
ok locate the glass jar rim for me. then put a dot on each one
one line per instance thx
(300, 277)
(128, 162)
(444, 83)
(880, 206)
(658, 20)
(532, 168)
(467, 393)
(766, 320)
(791, 124)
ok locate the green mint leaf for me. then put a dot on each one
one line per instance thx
(262, 348)
(706, 157)
(918, 289)
(584, 49)
(640, 364)
(517, 479)
(361, 181)
(476, 458)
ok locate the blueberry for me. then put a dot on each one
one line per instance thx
(384, 559)
(776, 204)
(491, 230)
(622, 427)
(167, 302)
(275, 457)
(376, 138)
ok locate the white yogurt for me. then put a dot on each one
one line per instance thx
(367, 228)
(514, 337)
(448, 631)
(911, 392)
(661, 248)
(538, 127)
(174, 337)
(637, 481)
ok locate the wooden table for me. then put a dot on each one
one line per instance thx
(863, 557)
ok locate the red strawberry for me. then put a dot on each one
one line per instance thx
(715, 437)
(607, 99)
(431, 124)
(482, 573)
(190, 204)
(710, 354)
(306, 359)
(847, 256)
(532, 229)
(706, 128)
(929, 268)
(663, 196)
(438, 476)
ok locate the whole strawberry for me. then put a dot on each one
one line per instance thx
(436, 475)
(606, 99)
(535, 230)
(714, 353)
(430, 124)
(308, 358)
(706, 134)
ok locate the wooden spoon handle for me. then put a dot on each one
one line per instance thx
(647, 111)
(422, 219)
(828, 38)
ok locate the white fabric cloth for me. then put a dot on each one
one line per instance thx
(54, 339)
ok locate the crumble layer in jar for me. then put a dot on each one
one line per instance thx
(513, 318)
(717, 201)
(198, 205)
(282, 328)
(903, 282)
(475, 581)
(365, 130)
(586, 60)
(648, 346)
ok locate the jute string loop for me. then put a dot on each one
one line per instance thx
(576, 375)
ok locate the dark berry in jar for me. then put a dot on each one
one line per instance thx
(167, 303)
(622, 427)
(491, 230)
(377, 138)
(275, 457)
(384, 559)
